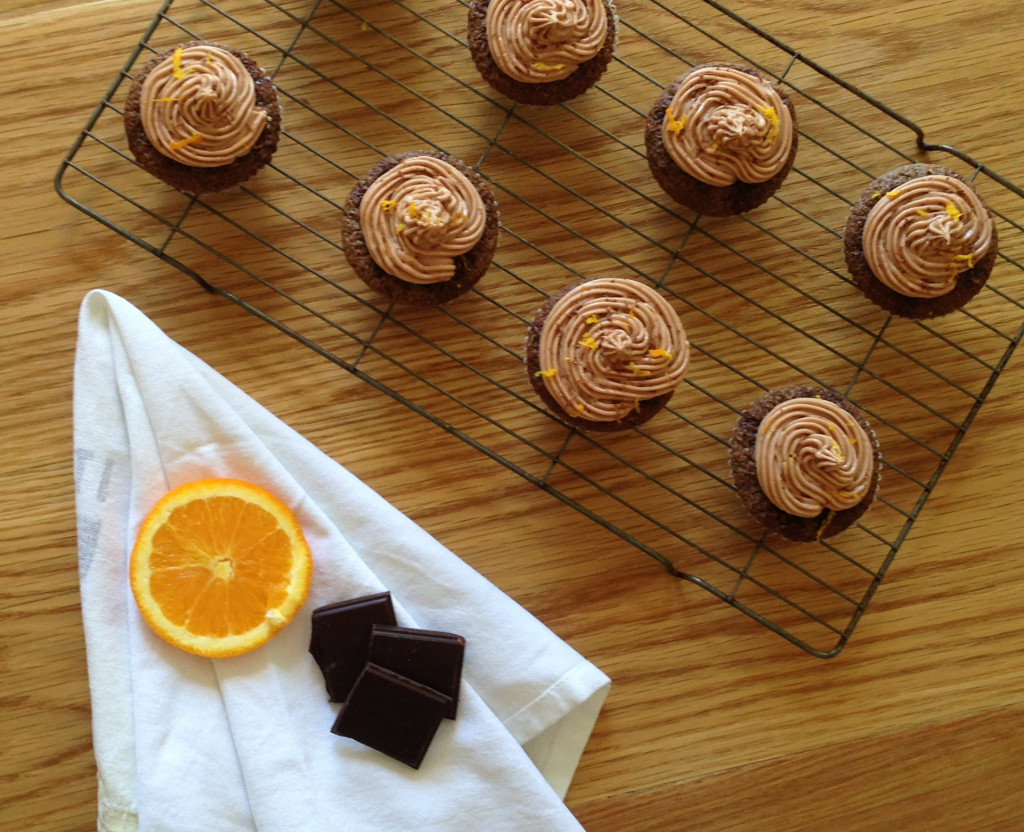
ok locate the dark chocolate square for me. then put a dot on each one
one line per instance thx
(429, 657)
(341, 637)
(392, 714)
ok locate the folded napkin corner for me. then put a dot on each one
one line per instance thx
(243, 744)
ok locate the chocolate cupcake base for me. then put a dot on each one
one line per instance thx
(195, 179)
(687, 190)
(545, 94)
(469, 267)
(968, 283)
(742, 444)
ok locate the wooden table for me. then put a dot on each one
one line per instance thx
(713, 722)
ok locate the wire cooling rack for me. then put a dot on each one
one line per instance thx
(765, 297)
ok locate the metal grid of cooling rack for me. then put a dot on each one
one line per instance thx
(764, 297)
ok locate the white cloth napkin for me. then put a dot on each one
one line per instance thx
(185, 743)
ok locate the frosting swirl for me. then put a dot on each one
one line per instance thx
(418, 216)
(812, 455)
(920, 236)
(725, 124)
(198, 107)
(538, 41)
(609, 343)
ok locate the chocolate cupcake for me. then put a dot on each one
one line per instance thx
(920, 242)
(805, 462)
(420, 228)
(721, 139)
(202, 117)
(606, 353)
(541, 51)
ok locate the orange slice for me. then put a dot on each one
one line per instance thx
(219, 567)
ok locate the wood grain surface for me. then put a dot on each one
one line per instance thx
(713, 722)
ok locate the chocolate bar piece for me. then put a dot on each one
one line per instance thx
(392, 714)
(429, 657)
(341, 638)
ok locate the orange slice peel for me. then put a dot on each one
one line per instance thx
(219, 567)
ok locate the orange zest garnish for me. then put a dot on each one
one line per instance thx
(922, 212)
(893, 193)
(660, 354)
(543, 66)
(637, 371)
(219, 567)
(546, 373)
(388, 205)
(593, 319)
(675, 125)
(195, 137)
(179, 73)
(966, 258)
(876, 194)
(952, 210)
(167, 99)
(773, 122)
(588, 341)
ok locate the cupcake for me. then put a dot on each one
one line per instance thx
(541, 51)
(721, 139)
(420, 228)
(805, 462)
(606, 353)
(920, 242)
(202, 117)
